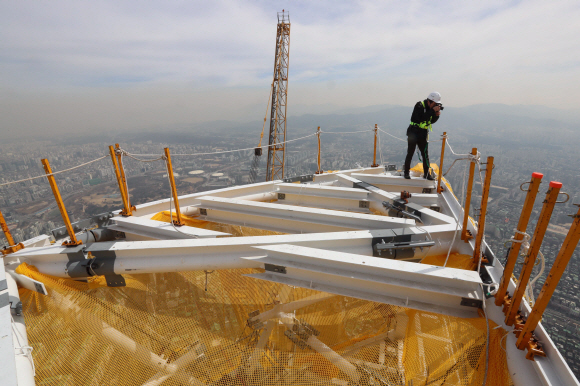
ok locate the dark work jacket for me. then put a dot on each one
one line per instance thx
(421, 114)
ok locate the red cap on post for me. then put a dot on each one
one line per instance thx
(555, 184)
(537, 175)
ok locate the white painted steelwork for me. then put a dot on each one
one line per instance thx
(160, 230)
(22, 351)
(323, 191)
(292, 219)
(324, 260)
(422, 287)
(7, 352)
(220, 253)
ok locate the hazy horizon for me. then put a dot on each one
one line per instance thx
(69, 67)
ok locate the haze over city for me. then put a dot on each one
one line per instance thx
(79, 66)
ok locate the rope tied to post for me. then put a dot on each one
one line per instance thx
(525, 242)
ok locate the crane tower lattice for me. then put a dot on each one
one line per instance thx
(277, 146)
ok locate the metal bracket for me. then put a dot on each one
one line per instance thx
(301, 179)
(364, 204)
(398, 206)
(16, 307)
(281, 196)
(203, 212)
(103, 263)
(567, 198)
(310, 330)
(115, 281)
(275, 268)
(404, 245)
(296, 339)
(391, 168)
(468, 302)
(99, 220)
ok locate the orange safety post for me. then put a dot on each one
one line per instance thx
(568, 247)
(319, 171)
(375, 164)
(127, 209)
(173, 188)
(11, 246)
(483, 210)
(71, 233)
(464, 234)
(444, 137)
(535, 244)
(502, 297)
(124, 178)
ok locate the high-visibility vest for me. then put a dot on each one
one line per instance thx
(426, 124)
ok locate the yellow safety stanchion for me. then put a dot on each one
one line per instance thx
(375, 164)
(319, 171)
(525, 336)
(535, 244)
(11, 246)
(465, 236)
(483, 210)
(502, 297)
(127, 208)
(178, 222)
(71, 233)
(440, 174)
(124, 181)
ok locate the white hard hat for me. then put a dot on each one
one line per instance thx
(435, 97)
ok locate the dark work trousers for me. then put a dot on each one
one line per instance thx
(417, 138)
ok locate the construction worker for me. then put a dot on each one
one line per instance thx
(424, 115)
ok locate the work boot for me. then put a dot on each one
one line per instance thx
(407, 176)
(429, 177)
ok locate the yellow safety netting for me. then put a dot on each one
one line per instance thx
(191, 328)
(234, 230)
(419, 168)
(455, 260)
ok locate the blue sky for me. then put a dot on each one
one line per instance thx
(79, 65)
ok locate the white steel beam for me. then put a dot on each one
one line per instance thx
(331, 203)
(219, 253)
(378, 195)
(7, 355)
(418, 286)
(154, 207)
(22, 351)
(396, 183)
(325, 177)
(159, 229)
(254, 359)
(180, 364)
(323, 191)
(424, 199)
(292, 219)
(325, 197)
(291, 306)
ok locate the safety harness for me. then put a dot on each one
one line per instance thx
(425, 124)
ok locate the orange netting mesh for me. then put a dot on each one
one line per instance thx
(234, 230)
(455, 260)
(419, 168)
(194, 328)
